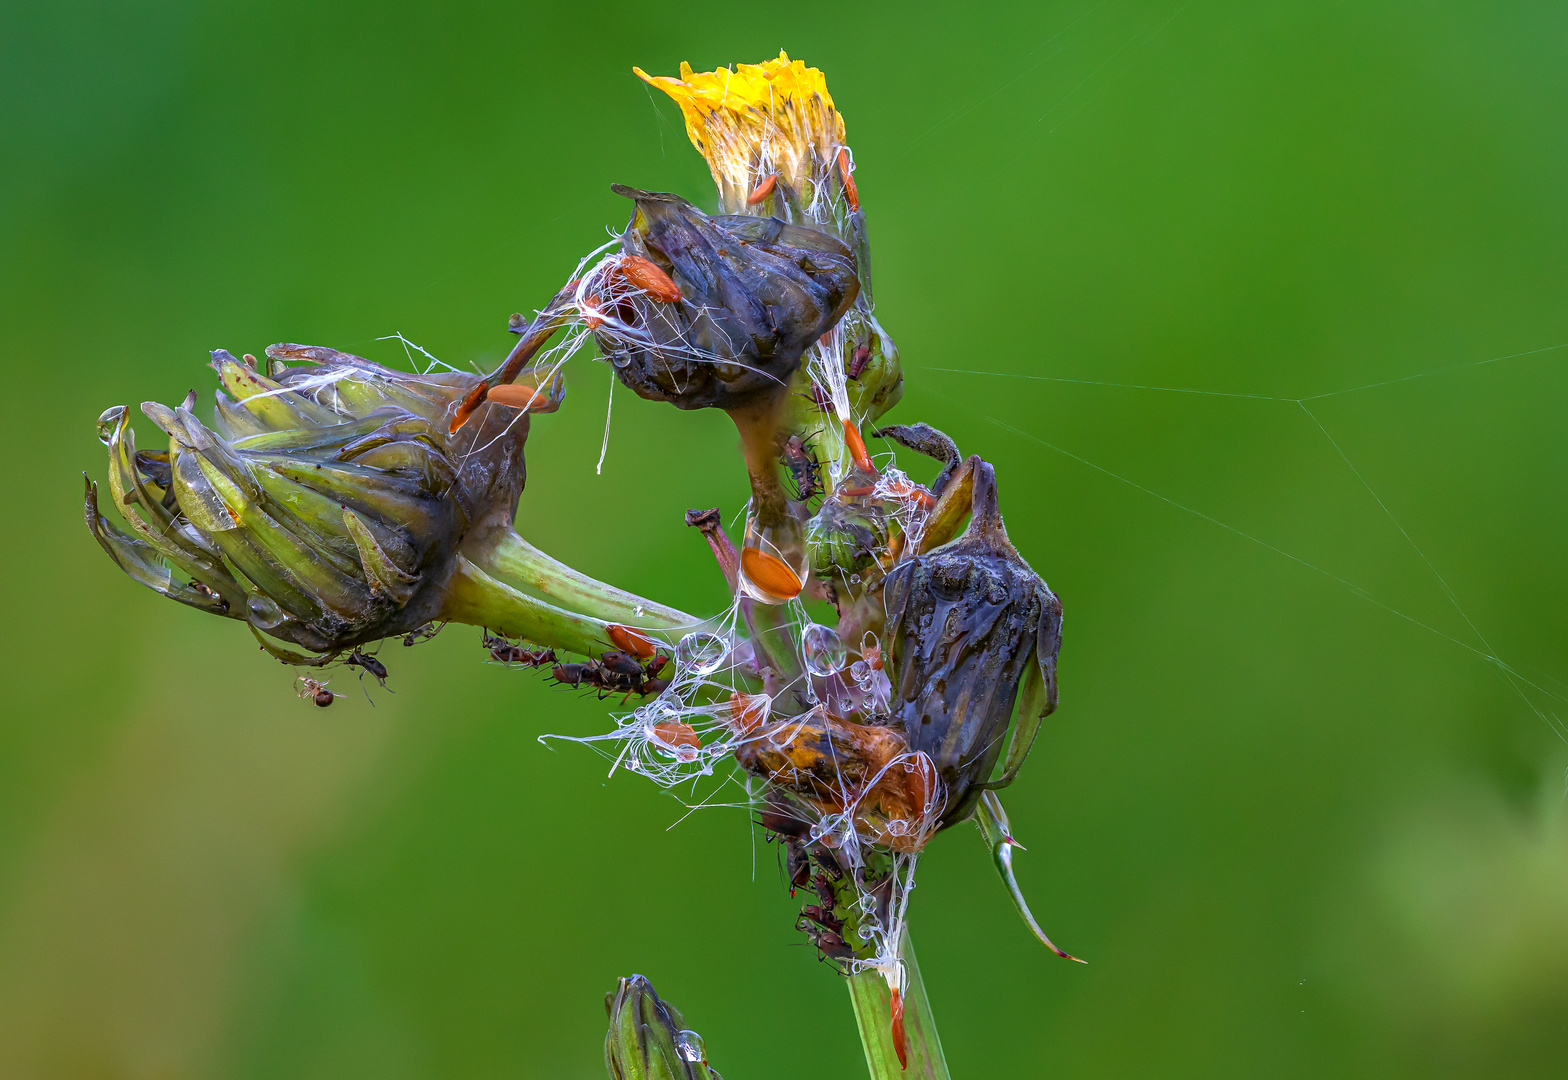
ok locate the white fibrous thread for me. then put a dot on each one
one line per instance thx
(692, 730)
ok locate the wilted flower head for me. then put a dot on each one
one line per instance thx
(972, 632)
(771, 136)
(720, 309)
(326, 504)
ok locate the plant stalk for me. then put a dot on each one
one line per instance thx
(509, 558)
(868, 994)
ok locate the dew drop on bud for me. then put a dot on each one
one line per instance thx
(773, 560)
(822, 650)
(690, 1046)
(700, 653)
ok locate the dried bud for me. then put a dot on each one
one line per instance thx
(972, 632)
(648, 1039)
(750, 294)
(324, 507)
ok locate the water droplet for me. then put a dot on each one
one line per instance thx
(854, 579)
(690, 1046)
(822, 650)
(773, 560)
(700, 653)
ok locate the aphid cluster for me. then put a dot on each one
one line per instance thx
(615, 673)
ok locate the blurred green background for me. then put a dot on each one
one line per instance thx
(1297, 832)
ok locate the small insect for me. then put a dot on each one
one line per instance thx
(747, 713)
(825, 892)
(780, 819)
(614, 673)
(851, 195)
(422, 633)
(858, 361)
(369, 663)
(857, 448)
(504, 652)
(517, 397)
(804, 469)
(648, 277)
(821, 399)
(630, 641)
(763, 189)
(592, 312)
(313, 691)
(797, 865)
(831, 946)
(679, 738)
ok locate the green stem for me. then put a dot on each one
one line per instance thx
(868, 993)
(512, 560)
(476, 598)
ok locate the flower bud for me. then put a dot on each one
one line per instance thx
(648, 1039)
(750, 295)
(973, 634)
(326, 504)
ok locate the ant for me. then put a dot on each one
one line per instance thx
(370, 664)
(615, 673)
(804, 469)
(504, 652)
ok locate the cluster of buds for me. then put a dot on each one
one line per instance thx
(333, 502)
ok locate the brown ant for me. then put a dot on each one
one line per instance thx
(504, 652)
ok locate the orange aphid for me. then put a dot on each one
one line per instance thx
(857, 448)
(515, 396)
(912, 492)
(747, 711)
(674, 734)
(919, 782)
(591, 311)
(872, 654)
(850, 194)
(648, 277)
(763, 189)
(466, 407)
(630, 641)
(770, 573)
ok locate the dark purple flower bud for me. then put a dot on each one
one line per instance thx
(973, 635)
(750, 294)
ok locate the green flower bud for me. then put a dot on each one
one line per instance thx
(973, 634)
(326, 504)
(648, 1039)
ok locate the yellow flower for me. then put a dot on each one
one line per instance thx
(769, 132)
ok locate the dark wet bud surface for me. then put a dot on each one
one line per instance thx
(966, 623)
(755, 292)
